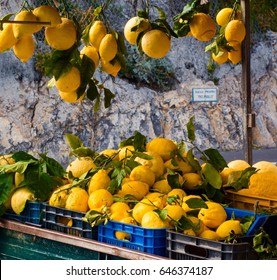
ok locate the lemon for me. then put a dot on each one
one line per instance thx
(63, 36)
(209, 234)
(7, 39)
(182, 165)
(152, 220)
(238, 164)
(100, 198)
(24, 48)
(265, 167)
(71, 96)
(100, 180)
(137, 23)
(199, 226)
(21, 29)
(97, 32)
(156, 163)
(212, 216)
(125, 152)
(223, 16)
(235, 31)
(18, 178)
(108, 47)
(120, 207)
(235, 55)
(177, 192)
(6, 159)
(92, 53)
(157, 198)
(192, 180)
(142, 207)
(110, 68)
(162, 186)
(229, 227)
(69, 81)
(162, 146)
(80, 166)
(112, 153)
(137, 189)
(185, 205)
(19, 199)
(225, 173)
(77, 200)
(189, 231)
(144, 174)
(221, 57)
(155, 43)
(124, 235)
(46, 13)
(59, 196)
(202, 27)
(174, 213)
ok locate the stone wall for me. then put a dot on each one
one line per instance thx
(33, 118)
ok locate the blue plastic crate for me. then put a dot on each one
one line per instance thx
(32, 214)
(152, 241)
(67, 221)
(239, 214)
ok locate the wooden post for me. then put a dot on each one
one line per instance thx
(249, 117)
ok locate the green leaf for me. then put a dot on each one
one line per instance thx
(23, 156)
(242, 179)
(212, 176)
(73, 141)
(19, 167)
(215, 159)
(108, 97)
(53, 167)
(92, 91)
(192, 161)
(173, 180)
(191, 130)
(83, 152)
(95, 218)
(6, 186)
(246, 223)
(195, 203)
(162, 213)
(6, 17)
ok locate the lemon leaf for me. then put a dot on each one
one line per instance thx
(194, 203)
(108, 97)
(73, 141)
(212, 176)
(53, 167)
(191, 129)
(242, 181)
(6, 186)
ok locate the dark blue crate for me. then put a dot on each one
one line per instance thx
(32, 214)
(152, 241)
(67, 221)
(239, 214)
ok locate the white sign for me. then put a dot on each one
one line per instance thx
(204, 95)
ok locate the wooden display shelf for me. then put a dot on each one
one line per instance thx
(21, 241)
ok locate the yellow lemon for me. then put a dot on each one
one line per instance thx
(225, 173)
(265, 167)
(134, 27)
(238, 164)
(192, 180)
(212, 216)
(100, 180)
(199, 226)
(182, 165)
(235, 31)
(235, 55)
(108, 48)
(142, 207)
(24, 48)
(162, 146)
(19, 199)
(18, 178)
(189, 231)
(229, 227)
(112, 153)
(202, 27)
(110, 68)
(136, 189)
(155, 43)
(80, 166)
(162, 186)
(221, 57)
(152, 220)
(224, 16)
(62, 36)
(96, 33)
(92, 53)
(120, 207)
(71, 96)
(70, 81)
(99, 198)
(174, 213)
(77, 200)
(59, 196)
(125, 152)
(7, 39)
(46, 13)
(21, 29)
(144, 174)
(209, 234)
(177, 192)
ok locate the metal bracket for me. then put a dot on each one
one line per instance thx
(251, 120)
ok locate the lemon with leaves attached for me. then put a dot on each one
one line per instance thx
(202, 27)
(19, 199)
(221, 57)
(59, 196)
(7, 39)
(212, 216)
(21, 29)
(229, 227)
(97, 32)
(108, 47)
(155, 43)
(185, 204)
(77, 200)
(71, 96)
(152, 219)
(62, 36)
(162, 146)
(92, 53)
(79, 166)
(142, 207)
(125, 152)
(111, 68)
(69, 81)
(137, 189)
(134, 27)
(24, 48)
(47, 14)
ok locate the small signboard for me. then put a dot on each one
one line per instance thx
(204, 95)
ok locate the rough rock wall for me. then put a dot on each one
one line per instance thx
(32, 117)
